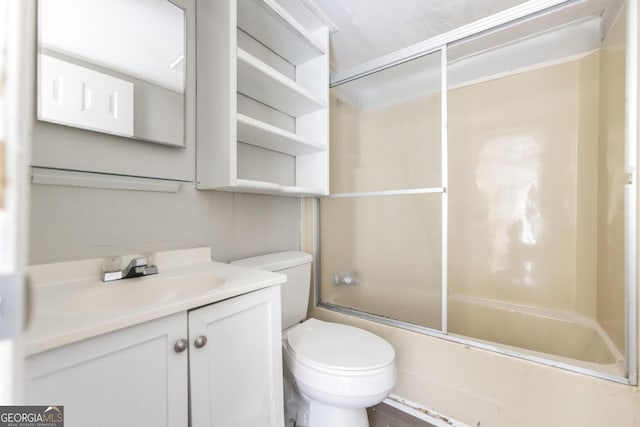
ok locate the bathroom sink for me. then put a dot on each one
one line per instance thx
(136, 293)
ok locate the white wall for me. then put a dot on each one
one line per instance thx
(70, 223)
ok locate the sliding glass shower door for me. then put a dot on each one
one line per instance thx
(383, 243)
(529, 249)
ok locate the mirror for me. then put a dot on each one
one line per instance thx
(113, 66)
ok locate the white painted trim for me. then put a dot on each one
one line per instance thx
(421, 48)
(69, 178)
(420, 412)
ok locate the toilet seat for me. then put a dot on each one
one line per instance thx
(338, 349)
(323, 359)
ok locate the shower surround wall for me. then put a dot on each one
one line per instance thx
(523, 173)
(611, 179)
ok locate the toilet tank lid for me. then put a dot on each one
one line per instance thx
(276, 261)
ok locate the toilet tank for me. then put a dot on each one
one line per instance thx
(295, 292)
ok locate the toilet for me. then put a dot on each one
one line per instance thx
(332, 372)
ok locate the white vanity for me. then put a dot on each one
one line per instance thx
(197, 344)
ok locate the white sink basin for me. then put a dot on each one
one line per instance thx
(137, 293)
(71, 303)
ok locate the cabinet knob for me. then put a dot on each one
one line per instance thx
(200, 341)
(181, 345)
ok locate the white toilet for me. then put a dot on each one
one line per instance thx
(333, 372)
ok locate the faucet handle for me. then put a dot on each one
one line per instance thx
(112, 263)
(111, 268)
(139, 262)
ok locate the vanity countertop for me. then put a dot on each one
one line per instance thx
(71, 303)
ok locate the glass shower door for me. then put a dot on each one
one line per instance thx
(383, 229)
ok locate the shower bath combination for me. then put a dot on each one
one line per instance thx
(483, 191)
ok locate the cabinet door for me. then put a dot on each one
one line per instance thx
(236, 378)
(131, 377)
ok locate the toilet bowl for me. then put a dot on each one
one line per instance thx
(340, 369)
(332, 372)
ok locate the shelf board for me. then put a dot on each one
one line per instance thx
(267, 21)
(260, 134)
(259, 81)
(264, 187)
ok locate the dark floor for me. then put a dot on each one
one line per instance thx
(383, 415)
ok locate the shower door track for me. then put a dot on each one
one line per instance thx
(470, 342)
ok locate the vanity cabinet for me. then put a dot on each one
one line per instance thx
(236, 377)
(139, 376)
(131, 377)
(263, 100)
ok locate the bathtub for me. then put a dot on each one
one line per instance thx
(564, 337)
(556, 338)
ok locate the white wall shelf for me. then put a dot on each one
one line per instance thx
(264, 187)
(270, 188)
(263, 118)
(255, 132)
(259, 81)
(268, 22)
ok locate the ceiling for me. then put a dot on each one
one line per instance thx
(368, 29)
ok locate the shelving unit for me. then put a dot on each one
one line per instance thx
(264, 84)
(273, 138)
(262, 187)
(268, 22)
(257, 50)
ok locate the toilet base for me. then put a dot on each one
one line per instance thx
(322, 415)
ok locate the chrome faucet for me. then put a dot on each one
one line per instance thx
(136, 268)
